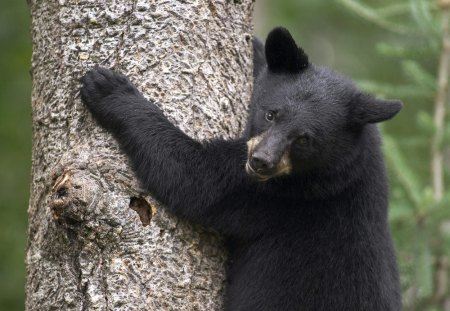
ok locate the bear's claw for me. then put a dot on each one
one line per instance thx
(99, 83)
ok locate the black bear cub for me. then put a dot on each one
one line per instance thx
(301, 198)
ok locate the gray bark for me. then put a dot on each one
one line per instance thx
(97, 241)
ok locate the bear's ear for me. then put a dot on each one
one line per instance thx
(367, 109)
(282, 53)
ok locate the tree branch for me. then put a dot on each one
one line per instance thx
(437, 169)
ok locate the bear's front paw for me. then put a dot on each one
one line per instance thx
(99, 83)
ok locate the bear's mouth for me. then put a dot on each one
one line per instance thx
(250, 171)
(282, 167)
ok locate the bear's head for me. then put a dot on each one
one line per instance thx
(305, 117)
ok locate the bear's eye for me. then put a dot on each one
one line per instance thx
(302, 140)
(270, 115)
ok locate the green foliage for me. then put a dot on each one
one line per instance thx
(15, 149)
(404, 174)
(375, 17)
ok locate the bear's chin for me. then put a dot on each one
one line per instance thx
(251, 172)
(283, 168)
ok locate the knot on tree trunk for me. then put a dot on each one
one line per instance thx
(81, 196)
(71, 196)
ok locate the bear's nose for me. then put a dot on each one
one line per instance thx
(260, 162)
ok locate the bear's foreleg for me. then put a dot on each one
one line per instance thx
(193, 179)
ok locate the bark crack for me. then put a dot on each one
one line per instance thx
(127, 30)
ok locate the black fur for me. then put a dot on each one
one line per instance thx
(282, 53)
(316, 239)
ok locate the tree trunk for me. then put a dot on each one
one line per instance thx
(96, 241)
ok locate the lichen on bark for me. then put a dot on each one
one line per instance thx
(87, 249)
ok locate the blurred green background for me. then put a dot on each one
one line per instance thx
(390, 47)
(15, 149)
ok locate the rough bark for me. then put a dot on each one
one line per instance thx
(97, 241)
